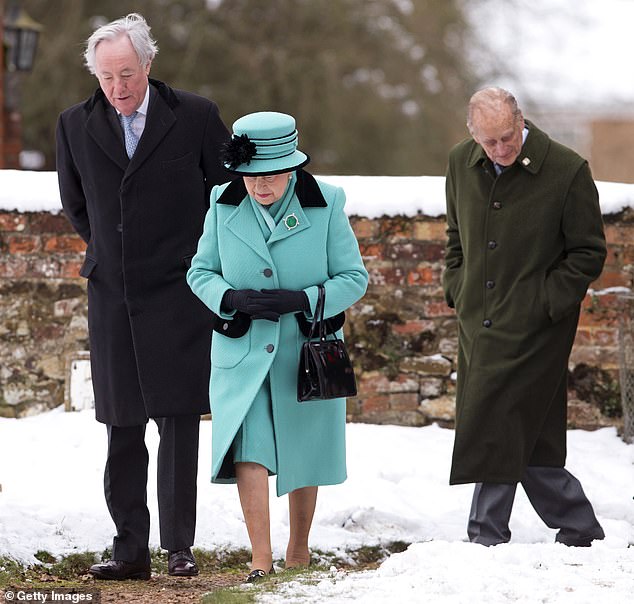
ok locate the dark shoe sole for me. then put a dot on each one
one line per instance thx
(193, 573)
(140, 576)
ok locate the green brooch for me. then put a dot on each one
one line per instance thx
(291, 221)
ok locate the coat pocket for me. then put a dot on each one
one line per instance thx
(228, 352)
(178, 163)
(87, 267)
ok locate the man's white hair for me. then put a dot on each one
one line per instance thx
(135, 27)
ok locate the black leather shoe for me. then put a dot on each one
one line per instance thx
(578, 541)
(182, 563)
(257, 574)
(119, 570)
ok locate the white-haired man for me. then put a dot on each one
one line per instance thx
(136, 162)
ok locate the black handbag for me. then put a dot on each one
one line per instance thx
(325, 370)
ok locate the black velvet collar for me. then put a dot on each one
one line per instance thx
(306, 189)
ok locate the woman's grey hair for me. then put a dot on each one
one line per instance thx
(491, 98)
(132, 25)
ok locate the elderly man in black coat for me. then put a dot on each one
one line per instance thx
(525, 239)
(136, 163)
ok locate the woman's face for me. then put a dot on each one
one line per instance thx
(267, 189)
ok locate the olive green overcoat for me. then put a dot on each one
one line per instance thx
(522, 249)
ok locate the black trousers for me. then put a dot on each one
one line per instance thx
(125, 486)
(557, 497)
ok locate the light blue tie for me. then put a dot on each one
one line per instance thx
(131, 139)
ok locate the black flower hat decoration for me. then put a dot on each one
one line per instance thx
(239, 150)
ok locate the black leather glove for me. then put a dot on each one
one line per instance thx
(279, 302)
(239, 299)
(267, 304)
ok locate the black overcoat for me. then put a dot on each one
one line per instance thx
(522, 249)
(141, 218)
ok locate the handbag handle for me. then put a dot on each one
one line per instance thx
(318, 317)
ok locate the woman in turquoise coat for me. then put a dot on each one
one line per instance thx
(270, 239)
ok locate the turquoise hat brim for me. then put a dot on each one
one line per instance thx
(262, 167)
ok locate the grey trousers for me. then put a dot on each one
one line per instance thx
(557, 497)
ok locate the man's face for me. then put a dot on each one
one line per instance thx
(499, 133)
(120, 76)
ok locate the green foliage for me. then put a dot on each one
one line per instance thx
(44, 557)
(229, 595)
(377, 86)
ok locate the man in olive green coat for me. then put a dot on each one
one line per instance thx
(525, 239)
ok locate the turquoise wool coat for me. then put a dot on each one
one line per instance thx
(522, 249)
(233, 254)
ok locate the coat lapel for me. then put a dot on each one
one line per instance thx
(245, 226)
(104, 128)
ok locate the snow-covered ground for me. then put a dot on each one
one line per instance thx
(52, 499)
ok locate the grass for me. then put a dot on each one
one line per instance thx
(71, 571)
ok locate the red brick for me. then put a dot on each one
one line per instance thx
(434, 308)
(23, 244)
(401, 401)
(619, 234)
(64, 244)
(372, 250)
(372, 381)
(365, 228)
(44, 267)
(44, 222)
(606, 338)
(612, 278)
(13, 267)
(377, 402)
(423, 275)
(583, 337)
(627, 254)
(10, 221)
(430, 231)
(397, 227)
(69, 268)
(386, 275)
(413, 327)
(416, 251)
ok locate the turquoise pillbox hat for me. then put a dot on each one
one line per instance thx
(263, 143)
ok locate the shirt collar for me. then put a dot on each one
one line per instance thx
(144, 105)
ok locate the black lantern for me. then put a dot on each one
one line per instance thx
(20, 39)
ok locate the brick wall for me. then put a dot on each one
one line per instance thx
(402, 335)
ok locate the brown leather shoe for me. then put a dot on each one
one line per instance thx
(182, 563)
(119, 570)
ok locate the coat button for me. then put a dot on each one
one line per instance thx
(492, 245)
(497, 205)
(270, 348)
(487, 323)
(490, 284)
(120, 228)
(267, 272)
(225, 326)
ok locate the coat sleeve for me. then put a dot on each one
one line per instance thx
(348, 278)
(70, 187)
(205, 274)
(216, 134)
(584, 247)
(453, 250)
